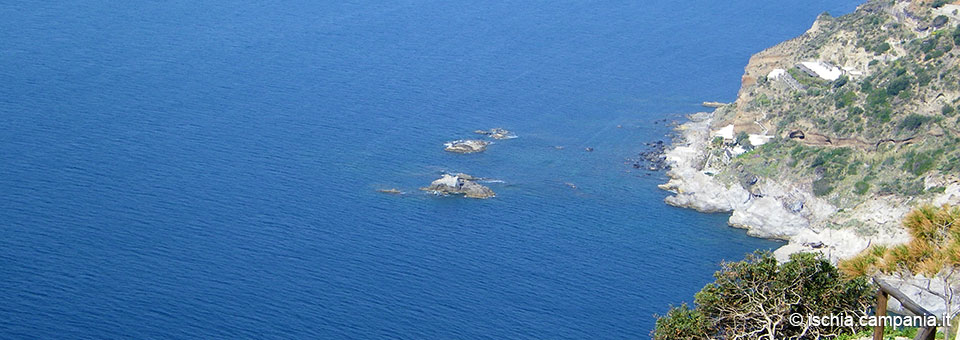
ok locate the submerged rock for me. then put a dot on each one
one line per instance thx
(466, 146)
(653, 158)
(393, 191)
(459, 184)
(497, 133)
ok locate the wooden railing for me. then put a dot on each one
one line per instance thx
(883, 294)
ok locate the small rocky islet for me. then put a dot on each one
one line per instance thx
(464, 184)
(459, 184)
(478, 145)
(496, 133)
(466, 146)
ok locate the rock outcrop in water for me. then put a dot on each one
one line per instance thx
(459, 184)
(496, 133)
(653, 158)
(466, 146)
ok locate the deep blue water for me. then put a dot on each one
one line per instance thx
(208, 169)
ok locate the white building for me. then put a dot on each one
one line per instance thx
(820, 69)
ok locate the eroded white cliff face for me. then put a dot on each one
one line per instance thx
(781, 210)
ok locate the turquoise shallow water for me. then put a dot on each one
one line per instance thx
(208, 169)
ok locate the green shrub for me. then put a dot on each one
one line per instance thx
(897, 85)
(912, 188)
(854, 168)
(717, 142)
(832, 157)
(928, 45)
(754, 295)
(855, 111)
(841, 81)
(923, 78)
(876, 98)
(918, 163)
(861, 187)
(913, 122)
(947, 110)
(934, 55)
(743, 139)
(881, 48)
(881, 114)
(956, 36)
(822, 187)
(762, 100)
(940, 20)
(845, 99)
(681, 323)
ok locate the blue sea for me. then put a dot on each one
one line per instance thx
(209, 169)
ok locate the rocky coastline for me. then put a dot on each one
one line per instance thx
(807, 154)
(768, 209)
(653, 158)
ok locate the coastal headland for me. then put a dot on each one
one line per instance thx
(835, 135)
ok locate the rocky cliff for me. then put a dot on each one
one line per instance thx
(835, 134)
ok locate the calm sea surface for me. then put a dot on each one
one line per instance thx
(208, 169)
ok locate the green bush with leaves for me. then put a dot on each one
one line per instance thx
(913, 121)
(743, 139)
(881, 48)
(846, 99)
(898, 84)
(753, 299)
(956, 36)
(861, 187)
(682, 323)
(822, 187)
(918, 163)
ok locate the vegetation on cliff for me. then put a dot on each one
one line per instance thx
(888, 126)
(846, 127)
(755, 298)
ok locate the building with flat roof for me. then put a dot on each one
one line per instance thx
(820, 69)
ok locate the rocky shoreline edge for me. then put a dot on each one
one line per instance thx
(784, 211)
(768, 209)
